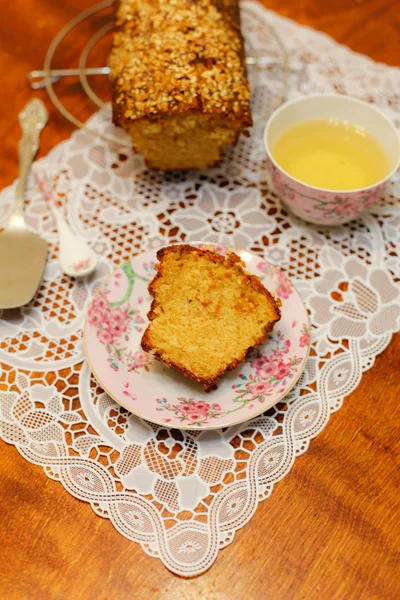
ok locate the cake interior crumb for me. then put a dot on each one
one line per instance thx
(206, 314)
(183, 141)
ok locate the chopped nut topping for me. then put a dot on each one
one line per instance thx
(177, 56)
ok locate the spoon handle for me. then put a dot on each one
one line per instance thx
(48, 194)
(32, 120)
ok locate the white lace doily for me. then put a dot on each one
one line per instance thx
(183, 495)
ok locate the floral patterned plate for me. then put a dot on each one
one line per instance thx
(113, 329)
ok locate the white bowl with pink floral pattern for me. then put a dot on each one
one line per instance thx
(114, 327)
(319, 205)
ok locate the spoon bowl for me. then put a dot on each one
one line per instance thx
(22, 260)
(77, 259)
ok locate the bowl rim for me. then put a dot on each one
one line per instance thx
(346, 98)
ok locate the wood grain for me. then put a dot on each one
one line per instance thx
(330, 530)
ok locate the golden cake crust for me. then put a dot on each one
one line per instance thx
(231, 260)
(178, 57)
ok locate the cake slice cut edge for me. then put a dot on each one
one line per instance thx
(207, 312)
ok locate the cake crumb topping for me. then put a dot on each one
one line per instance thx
(178, 56)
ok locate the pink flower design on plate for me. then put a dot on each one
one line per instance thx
(127, 393)
(305, 337)
(95, 317)
(268, 369)
(112, 324)
(190, 411)
(116, 329)
(285, 287)
(305, 340)
(283, 370)
(105, 336)
(119, 316)
(259, 388)
(265, 267)
(140, 360)
(271, 373)
(100, 302)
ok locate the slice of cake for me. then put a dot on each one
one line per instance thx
(207, 312)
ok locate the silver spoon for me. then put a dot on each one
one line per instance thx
(23, 253)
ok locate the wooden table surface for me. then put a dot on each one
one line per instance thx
(330, 529)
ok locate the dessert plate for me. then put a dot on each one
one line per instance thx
(114, 326)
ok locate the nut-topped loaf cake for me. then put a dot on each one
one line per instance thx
(207, 312)
(179, 79)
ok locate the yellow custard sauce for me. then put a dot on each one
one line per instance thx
(331, 154)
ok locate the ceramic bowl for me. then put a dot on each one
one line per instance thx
(319, 205)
